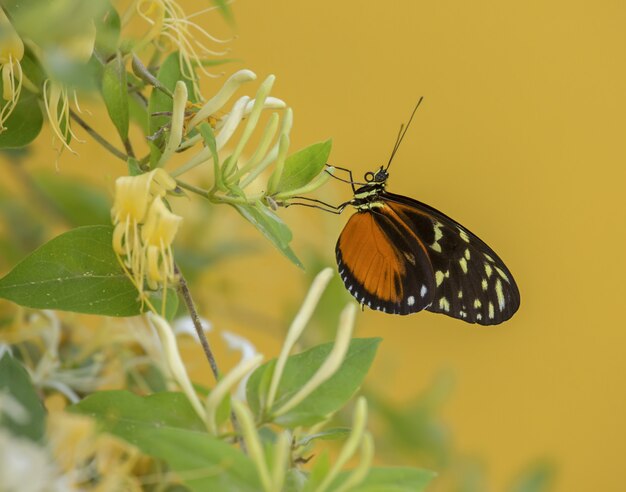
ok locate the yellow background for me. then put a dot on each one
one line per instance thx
(521, 139)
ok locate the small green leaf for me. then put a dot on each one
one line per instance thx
(79, 203)
(76, 271)
(392, 479)
(301, 167)
(224, 8)
(24, 124)
(24, 415)
(115, 95)
(209, 140)
(272, 227)
(326, 435)
(164, 426)
(108, 27)
(536, 478)
(330, 396)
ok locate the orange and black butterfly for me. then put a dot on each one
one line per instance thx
(400, 256)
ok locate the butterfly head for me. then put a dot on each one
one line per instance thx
(378, 177)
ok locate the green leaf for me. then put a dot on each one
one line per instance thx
(24, 414)
(115, 95)
(537, 478)
(224, 9)
(329, 396)
(301, 167)
(108, 27)
(392, 479)
(76, 271)
(24, 124)
(79, 203)
(113, 408)
(271, 226)
(164, 426)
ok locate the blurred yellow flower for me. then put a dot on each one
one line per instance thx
(172, 30)
(77, 49)
(11, 53)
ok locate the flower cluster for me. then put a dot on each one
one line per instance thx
(145, 228)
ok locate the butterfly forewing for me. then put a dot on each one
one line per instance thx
(471, 282)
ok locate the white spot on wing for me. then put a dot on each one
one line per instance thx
(410, 300)
(502, 274)
(464, 235)
(491, 311)
(423, 291)
(484, 284)
(467, 253)
(438, 235)
(488, 270)
(477, 303)
(444, 304)
(463, 263)
(439, 277)
(500, 294)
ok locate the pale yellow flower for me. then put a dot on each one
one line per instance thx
(11, 53)
(78, 49)
(157, 236)
(145, 228)
(172, 30)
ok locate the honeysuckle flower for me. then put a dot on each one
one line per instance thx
(295, 330)
(358, 438)
(75, 49)
(85, 456)
(144, 227)
(42, 329)
(244, 109)
(224, 385)
(175, 362)
(330, 365)
(157, 236)
(248, 352)
(171, 29)
(11, 53)
(27, 467)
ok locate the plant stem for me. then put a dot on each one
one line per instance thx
(98, 138)
(184, 290)
(193, 313)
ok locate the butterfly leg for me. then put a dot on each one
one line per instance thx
(326, 207)
(351, 180)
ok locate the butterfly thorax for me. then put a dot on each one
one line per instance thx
(367, 196)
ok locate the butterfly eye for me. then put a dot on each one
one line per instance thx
(381, 176)
(369, 176)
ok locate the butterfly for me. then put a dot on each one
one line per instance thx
(398, 255)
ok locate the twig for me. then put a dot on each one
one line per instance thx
(184, 290)
(98, 138)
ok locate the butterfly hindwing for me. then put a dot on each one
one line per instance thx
(381, 266)
(471, 282)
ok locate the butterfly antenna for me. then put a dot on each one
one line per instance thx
(402, 133)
